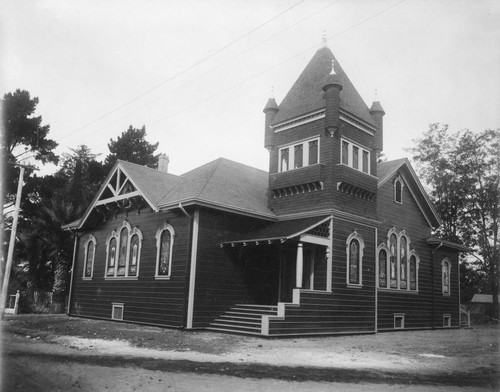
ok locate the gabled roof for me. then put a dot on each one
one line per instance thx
(388, 170)
(225, 184)
(148, 183)
(221, 184)
(306, 95)
(483, 298)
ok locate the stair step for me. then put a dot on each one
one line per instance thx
(236, 327)
(239, 317)
(252, 311)
(237, 322)
(228, 330)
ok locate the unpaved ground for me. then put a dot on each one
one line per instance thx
(453, 353)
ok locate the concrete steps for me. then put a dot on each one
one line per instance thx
(243, 319)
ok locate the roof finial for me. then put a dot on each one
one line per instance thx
(272, 92)
(323, 38)
(332, 72)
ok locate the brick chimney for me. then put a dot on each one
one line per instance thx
(163, 162)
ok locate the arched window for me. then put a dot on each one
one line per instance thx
(446, 270)
(383, 265)
(111, 244)
(122, 255)
(354, 249)
(134, 252)
(382, 268)
(90, 246)
(403, 262)
(393, 260)
(413, 271)
(398, 190)
(164, 246)
(124, 252)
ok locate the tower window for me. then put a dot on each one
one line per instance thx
(299, 155)
(355, 156)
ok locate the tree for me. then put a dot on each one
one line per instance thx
(132, 146)
(24, 137)
(463, 171)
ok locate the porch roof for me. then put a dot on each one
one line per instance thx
(278, 231)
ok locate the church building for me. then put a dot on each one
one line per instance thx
(329, 241)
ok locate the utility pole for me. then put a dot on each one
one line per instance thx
(10, 254)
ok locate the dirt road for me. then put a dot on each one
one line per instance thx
(31, 365)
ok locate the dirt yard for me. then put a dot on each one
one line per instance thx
(453, 351)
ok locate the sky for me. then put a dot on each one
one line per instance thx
(197, 73)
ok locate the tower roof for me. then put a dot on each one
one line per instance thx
(306, 95)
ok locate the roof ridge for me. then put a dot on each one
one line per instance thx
(218, 160)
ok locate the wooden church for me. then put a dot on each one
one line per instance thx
(329, 241)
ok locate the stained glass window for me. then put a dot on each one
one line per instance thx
(134, 255)
(403, 265)
(122, 257)
(354, 262)
(164, 262)
(393, 259)
(111, 257)
(90, 259)
(382, 268)
(446, 276)
(413, 273)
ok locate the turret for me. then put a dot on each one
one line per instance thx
(332, 88)
(378, 113)
(270, 111)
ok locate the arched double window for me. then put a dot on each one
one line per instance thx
(355, 246)
(445, 274)
(164, 247)
(90, 248)
(397, 264)
(123, 252)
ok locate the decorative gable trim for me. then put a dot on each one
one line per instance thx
(119, 190)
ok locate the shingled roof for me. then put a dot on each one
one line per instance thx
(306, 95)
(225, 184)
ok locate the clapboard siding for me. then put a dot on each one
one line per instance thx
(417, 307)
(219, 279)
(146, 299)
(345, 309)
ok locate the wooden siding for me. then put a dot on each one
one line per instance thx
(146, 300)
(347, 309)
(219, 279)
(417, 307)
(329, 172)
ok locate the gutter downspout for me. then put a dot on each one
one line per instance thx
(432, 293)
(75, 247)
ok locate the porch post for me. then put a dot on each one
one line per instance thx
(300, 265)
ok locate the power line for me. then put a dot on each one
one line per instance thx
(186, 69)
(277, 65)
(199, 76)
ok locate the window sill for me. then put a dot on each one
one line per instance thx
(121, 278)
(446, 294)
(159, 277)
(87, 278)
(354, 286)
(403, 291)
(299, 168)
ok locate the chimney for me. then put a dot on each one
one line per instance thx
(163, 162)
(270, 111)
(378, 113)
(332, 88)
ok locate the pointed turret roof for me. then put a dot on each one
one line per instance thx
(306, 95)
